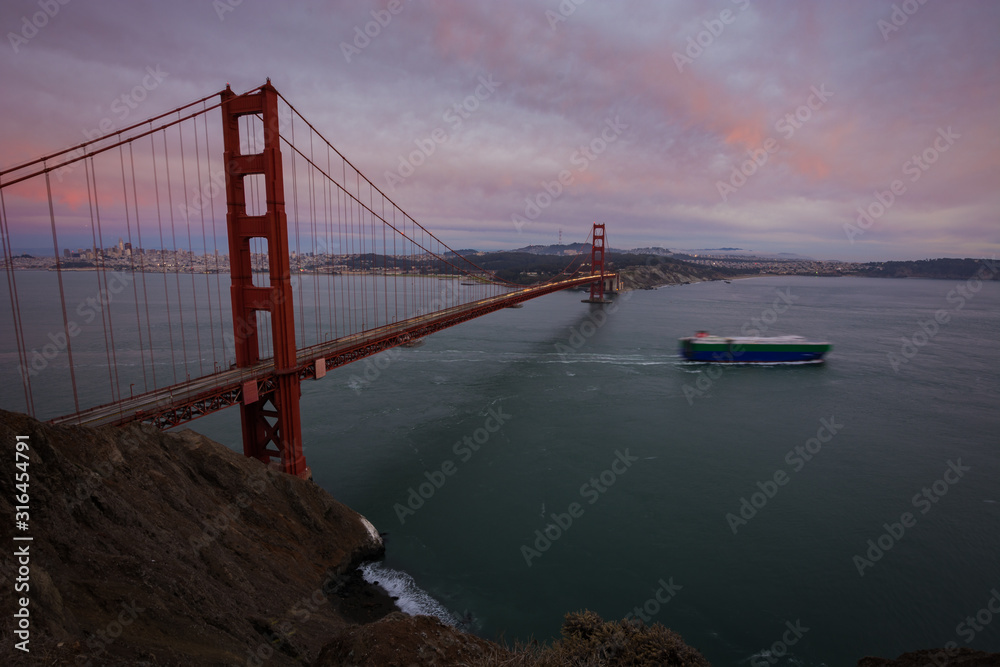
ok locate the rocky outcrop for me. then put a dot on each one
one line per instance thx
(398, 640)
(160, 548)
(658, 275)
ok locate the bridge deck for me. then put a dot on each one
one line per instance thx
(183, 402)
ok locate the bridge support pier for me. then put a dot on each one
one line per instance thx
(269, 411)
(597, 265)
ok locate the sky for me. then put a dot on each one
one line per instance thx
(850, 130)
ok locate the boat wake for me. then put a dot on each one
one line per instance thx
(765, 364)
(410, 598)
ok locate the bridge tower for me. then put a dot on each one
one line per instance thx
(269, 415)
(597, 264)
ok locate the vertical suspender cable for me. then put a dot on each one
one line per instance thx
(163, 268)
(187, 220)
(329, 244)
(131, 268)
(22, 352)
(204, 242)
(361, 240)
(295, 208)
(215, 238)
(177, 254)
(111, 324)
(62, 293)
(312, 213)
(385, 267)
(142, 267)
(99, 272)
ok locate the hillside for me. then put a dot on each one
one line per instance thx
(649, 271)
(943, 269)
(158, 548)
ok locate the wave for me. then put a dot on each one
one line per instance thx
(410, 598)
(549, 358)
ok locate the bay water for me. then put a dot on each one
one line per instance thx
(562, 456)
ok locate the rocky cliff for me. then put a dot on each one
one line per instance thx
(660, 274)
(156, 548)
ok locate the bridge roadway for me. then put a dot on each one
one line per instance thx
(183, 402)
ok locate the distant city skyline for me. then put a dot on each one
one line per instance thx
(854, 131)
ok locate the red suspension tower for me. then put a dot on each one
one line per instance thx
(269, 416)
(597, 265)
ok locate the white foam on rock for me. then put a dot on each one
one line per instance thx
(371, 530)
(410, 598)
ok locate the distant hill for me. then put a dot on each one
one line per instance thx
(556, 249)
(638, 271)
(742, 252)
(944, 268)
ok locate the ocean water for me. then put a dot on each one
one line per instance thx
(561, 456)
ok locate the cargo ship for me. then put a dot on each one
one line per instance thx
(752, 349)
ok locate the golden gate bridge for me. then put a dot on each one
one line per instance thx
(324, 269)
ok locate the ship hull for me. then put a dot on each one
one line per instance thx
(780, 350)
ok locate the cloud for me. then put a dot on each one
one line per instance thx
(688, 128)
